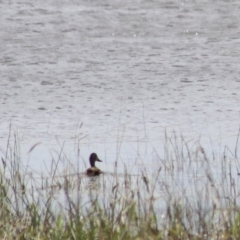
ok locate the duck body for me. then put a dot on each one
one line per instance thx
(93, 171)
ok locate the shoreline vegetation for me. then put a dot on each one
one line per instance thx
(189, 195)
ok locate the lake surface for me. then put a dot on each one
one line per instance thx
(114, 76)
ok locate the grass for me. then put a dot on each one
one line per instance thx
(184, 198)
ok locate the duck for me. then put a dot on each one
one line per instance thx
(93, 171)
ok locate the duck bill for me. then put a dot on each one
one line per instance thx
(99, 160)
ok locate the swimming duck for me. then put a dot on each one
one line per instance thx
(93, 171)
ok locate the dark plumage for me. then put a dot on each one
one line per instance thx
(93, 171)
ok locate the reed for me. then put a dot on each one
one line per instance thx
(182, 199)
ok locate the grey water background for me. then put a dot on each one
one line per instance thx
(114, 76)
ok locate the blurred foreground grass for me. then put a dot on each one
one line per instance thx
(59, 208)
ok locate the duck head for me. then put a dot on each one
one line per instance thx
(93, 158)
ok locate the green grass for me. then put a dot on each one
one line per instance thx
(145, 207)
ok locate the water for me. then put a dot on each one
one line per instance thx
(113, 76)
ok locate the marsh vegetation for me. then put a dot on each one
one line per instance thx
(188, 194)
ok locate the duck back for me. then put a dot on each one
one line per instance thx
(93, 171)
